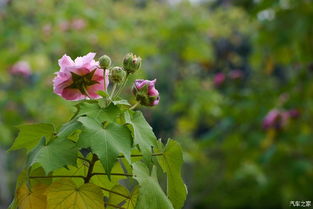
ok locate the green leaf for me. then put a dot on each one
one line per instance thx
(171, 163)
(121, 197)
(30, 134)
(151, 194)
(104, 94)
(81, 169)
(121, 102)
(64, 194)
(55, 154)
(103, 180)
(142, 131)
(93, 110)
(106, 142)
(68, 128)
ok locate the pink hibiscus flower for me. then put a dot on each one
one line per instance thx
(80, 79)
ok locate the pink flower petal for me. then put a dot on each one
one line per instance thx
(65, 62)
(72, 94)
(93, 89)
(85, 60)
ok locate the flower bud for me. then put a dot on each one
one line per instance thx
(294, 113)
(275, 119)
(131, 63)
(236, 74)
(219, 79)
(117, 74)
(21, 68)
(145, 92)
(104, 62)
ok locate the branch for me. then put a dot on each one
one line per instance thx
(115, 206)
(90, 169)
(140, 155)
(64, 176)
(113, 174)
(108, 190)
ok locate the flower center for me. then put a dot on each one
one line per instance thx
(81, 82)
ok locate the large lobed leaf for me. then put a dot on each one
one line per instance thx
(56, 154)
(31, 199)
(120, 196)
(30, 135)
(142, 131)
(107, 142)
(171, 162)
(64, 194)
(93, 110)
(151, 194)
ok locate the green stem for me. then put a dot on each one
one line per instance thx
(117, 193)
(104, 84)
(134, 106)
(121, 87)
(62, 176)
(113, 90)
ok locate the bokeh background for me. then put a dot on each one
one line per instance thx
(235, 78)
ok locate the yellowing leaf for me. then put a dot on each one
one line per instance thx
(120, 196)
(64, 194)
(34, 199)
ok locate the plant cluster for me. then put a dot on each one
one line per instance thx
(107, 155)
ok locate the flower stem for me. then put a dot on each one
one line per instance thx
(113, 90)
(134, 106)
(104, 83)
(121, 87)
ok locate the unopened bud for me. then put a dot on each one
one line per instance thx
(131, 63)
(104, 62)
(117, 74)
(145, 92)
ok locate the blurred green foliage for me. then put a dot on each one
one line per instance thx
(232, 162)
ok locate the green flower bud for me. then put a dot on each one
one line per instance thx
(131, 63)
(117, 74)
(104, 62)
